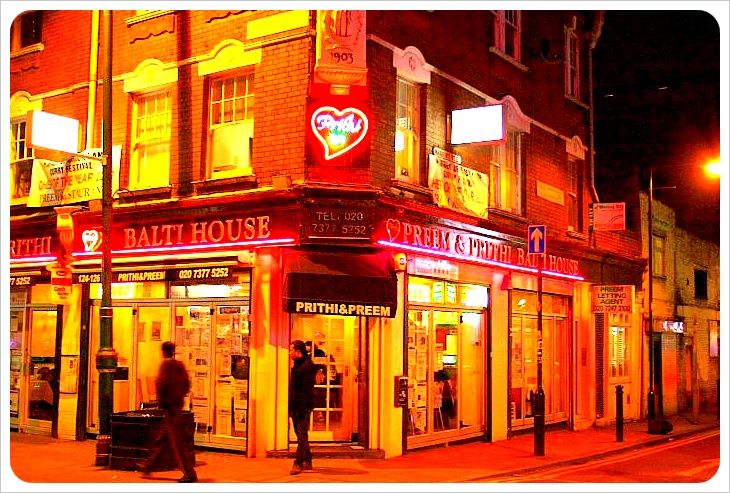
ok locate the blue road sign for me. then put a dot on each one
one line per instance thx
(536, 239)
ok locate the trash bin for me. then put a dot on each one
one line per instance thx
(132, 435)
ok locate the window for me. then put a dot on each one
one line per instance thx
(574, 195)
(659, 267)
(714, 338)
(231, 126)
(618, 324)
(21, 161)
(700, 284)
(507, 32)
(572, 79)
(407, 131)
(26, 30)
(505, 174)
(150, 161)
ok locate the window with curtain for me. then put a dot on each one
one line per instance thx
(618, 324)
(505, 174)
(573, 195)
(407, 131)
(659, 255)
(152, 122)
(21, 161)
(231, 126)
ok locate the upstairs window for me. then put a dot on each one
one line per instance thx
(152, 122)
(574, 194)
(507, 32)
(700, 284)
(505, 174)
(25, 30)
(21, 162)
(572, 79)
(659, 255)
(407, 132)
(231, 126)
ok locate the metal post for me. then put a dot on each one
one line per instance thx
(106, 358)
(650, 295)
(619, 413)
(539, 402)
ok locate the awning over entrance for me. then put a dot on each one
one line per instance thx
(341, 283)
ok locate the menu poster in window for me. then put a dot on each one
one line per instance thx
(200, 384)
(224, 395)
(156, 331)
(141, 330)
(421, 340)
(240, 397)
(225, 364)
(223, 422)
(421, 366)
(239, 419)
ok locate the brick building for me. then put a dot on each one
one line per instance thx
(310, 175)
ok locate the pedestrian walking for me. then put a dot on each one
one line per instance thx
(301, 402)
(172, 384)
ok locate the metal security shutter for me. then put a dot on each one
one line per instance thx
(600, 364)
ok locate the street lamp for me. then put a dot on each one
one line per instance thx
(712, 169)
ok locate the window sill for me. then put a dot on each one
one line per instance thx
(133, 196)
(571, 233)
(38, 47)
(572, 99)
(406, 186)
(211, 186)
(146, 16)
(508, 58)
(507, 215)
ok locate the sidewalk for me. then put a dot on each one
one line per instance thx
(37, 459)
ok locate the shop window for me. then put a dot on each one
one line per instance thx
(700, 284)
(658, 256)
(572, 74)
(152, 124)
(618, 325)
(508, 32)
(231, 121)
(25, 31)
(407, 132)
(21, 162)
(505, 174)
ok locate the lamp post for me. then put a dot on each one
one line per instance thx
(106, 357)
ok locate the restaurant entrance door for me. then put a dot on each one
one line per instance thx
(41, 364)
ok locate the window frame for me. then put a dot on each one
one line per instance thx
(248, 109)
(137, 182)
(575, 193)
(659, 255)
(500, 166)
(19, 39)
(700, 285)
(501, 24)
(409, 171)
(572, 64)
(17, 127)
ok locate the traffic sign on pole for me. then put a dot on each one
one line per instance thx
(536, 239)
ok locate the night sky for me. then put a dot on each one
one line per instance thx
(657, 100)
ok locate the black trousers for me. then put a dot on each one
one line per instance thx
(172, 432)
(301, 428)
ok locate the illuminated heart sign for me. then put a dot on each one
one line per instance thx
(91, 239)
(339, 131)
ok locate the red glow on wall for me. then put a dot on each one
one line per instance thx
(338, 130)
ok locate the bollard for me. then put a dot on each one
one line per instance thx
(619, 413)
(538, 411)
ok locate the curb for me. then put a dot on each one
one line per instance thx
(588, 458)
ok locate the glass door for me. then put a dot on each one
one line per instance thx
(471, 350)
(151, 329)
(42, 370)
(16, 364)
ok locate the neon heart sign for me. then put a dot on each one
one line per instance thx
(91, 239)
(339, 131)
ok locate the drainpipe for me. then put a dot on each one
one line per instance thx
(93, 79)
(595, 34)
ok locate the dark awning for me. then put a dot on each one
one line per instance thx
(341, 283)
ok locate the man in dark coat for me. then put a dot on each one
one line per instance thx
(301, 402)
(172, 384)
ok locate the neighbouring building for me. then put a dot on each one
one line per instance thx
(315, 175)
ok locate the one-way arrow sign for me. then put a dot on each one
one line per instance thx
(536, 239)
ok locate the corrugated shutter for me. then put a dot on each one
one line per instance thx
(600, 364)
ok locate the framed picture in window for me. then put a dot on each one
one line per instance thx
(156, 331)
(141, 331)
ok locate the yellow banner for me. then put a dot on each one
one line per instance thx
(457, 187)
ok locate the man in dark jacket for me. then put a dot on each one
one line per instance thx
(301, 402)
(172, 384)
